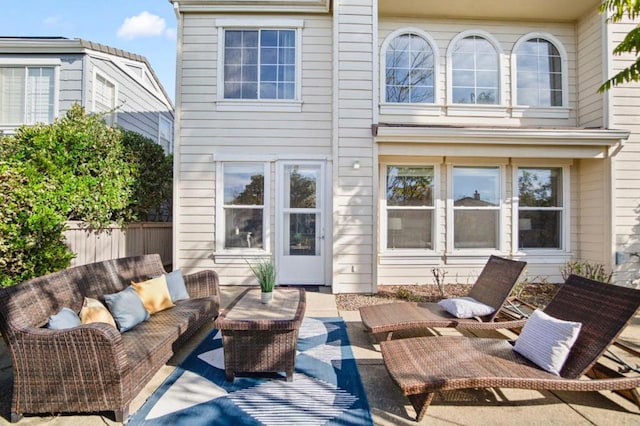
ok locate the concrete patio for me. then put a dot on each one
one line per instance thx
(388, 405)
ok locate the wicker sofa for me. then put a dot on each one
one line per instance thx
(94, 367)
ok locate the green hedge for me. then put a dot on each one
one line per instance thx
(77, 168)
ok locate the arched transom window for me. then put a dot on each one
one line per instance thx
(538, 73)
(409, 70)
(475, 71)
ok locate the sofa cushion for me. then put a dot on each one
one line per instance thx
(177, 287)
(127, 308)
(66, 318)
(94, 311)
(465, 307)
(154, 294)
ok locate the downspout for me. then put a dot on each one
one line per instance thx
(176, 139)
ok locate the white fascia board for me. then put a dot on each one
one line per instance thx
(288, 6)
(514, 136)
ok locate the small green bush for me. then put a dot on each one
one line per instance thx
(593, 271)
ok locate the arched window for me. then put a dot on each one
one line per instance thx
(475, 71)
(539, 73)
(409, 69)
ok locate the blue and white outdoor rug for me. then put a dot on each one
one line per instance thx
(326, 387)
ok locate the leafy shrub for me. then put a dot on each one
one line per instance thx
(76, 168)
(593, 271)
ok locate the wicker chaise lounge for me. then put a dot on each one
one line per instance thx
(424, 365)
(492, 288)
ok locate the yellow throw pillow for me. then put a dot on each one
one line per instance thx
(94, 311)
(154, 294)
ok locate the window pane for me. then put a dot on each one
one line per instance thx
(243, 228)
(409, 229)
(540, 187)
(476, 229)
(39, 91)
(12, 86)
(409, 63)
(475, 74)
(539, 229)
(243, 184)
(540, 57)
(409, 186)
(476, 186)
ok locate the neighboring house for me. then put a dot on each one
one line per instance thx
(42, 77)
(366, 142)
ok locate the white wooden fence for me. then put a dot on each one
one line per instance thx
(130, 240)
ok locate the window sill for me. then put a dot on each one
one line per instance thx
(533, 112)
(411, 109)
(476, 110)
(258, 105)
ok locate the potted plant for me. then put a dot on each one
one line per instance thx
(265, 273)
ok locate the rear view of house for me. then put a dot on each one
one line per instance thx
(42, 77)
(366, 142)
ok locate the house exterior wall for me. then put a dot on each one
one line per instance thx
(345, 120)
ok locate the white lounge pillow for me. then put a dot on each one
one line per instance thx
(546, 341)
(465, 307)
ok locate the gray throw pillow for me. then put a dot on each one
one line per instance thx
(465, 307)
(66, 318)
(127, 308)
(177, 287)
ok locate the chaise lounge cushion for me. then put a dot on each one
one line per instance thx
(546, 341)
(127, 308)
(465, 307)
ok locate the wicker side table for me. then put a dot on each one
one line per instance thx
(259, 338)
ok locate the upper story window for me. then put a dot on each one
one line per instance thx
(104, 98)
(410, 208)
(541, 207)
(476, 207)
(260, 64)
(539, 72)
(243, 186)
(409, 70)
(27, 94)
(475, 71)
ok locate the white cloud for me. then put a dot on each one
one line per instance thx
(145, 25)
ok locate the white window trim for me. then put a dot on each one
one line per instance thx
(477, 110)
(240, 253)
(565, 243)
(259, 105)
(161, 119)
(55, 63)
(399, 253)
(96, 73)
(502, 215)
(392, 108)
(520, 111)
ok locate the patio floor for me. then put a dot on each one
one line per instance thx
(388, 405)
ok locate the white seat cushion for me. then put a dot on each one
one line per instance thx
(465, 307)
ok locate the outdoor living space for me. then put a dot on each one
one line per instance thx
(388, 405)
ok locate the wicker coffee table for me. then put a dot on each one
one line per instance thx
(259, 338)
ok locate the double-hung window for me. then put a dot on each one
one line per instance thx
(244, 212)
(27, 94)
(540, 207)
(260, 64)
(104, 98)
(476, 207)
(410, 207)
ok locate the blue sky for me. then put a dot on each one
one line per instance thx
(145, 27)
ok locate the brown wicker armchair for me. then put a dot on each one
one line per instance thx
(93, 367)
(424, 365)
(492, 288)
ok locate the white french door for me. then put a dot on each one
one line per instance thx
(300, 222)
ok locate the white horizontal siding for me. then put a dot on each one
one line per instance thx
(590, 71)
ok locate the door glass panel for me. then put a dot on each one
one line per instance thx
(302, 234)
(302, 181)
